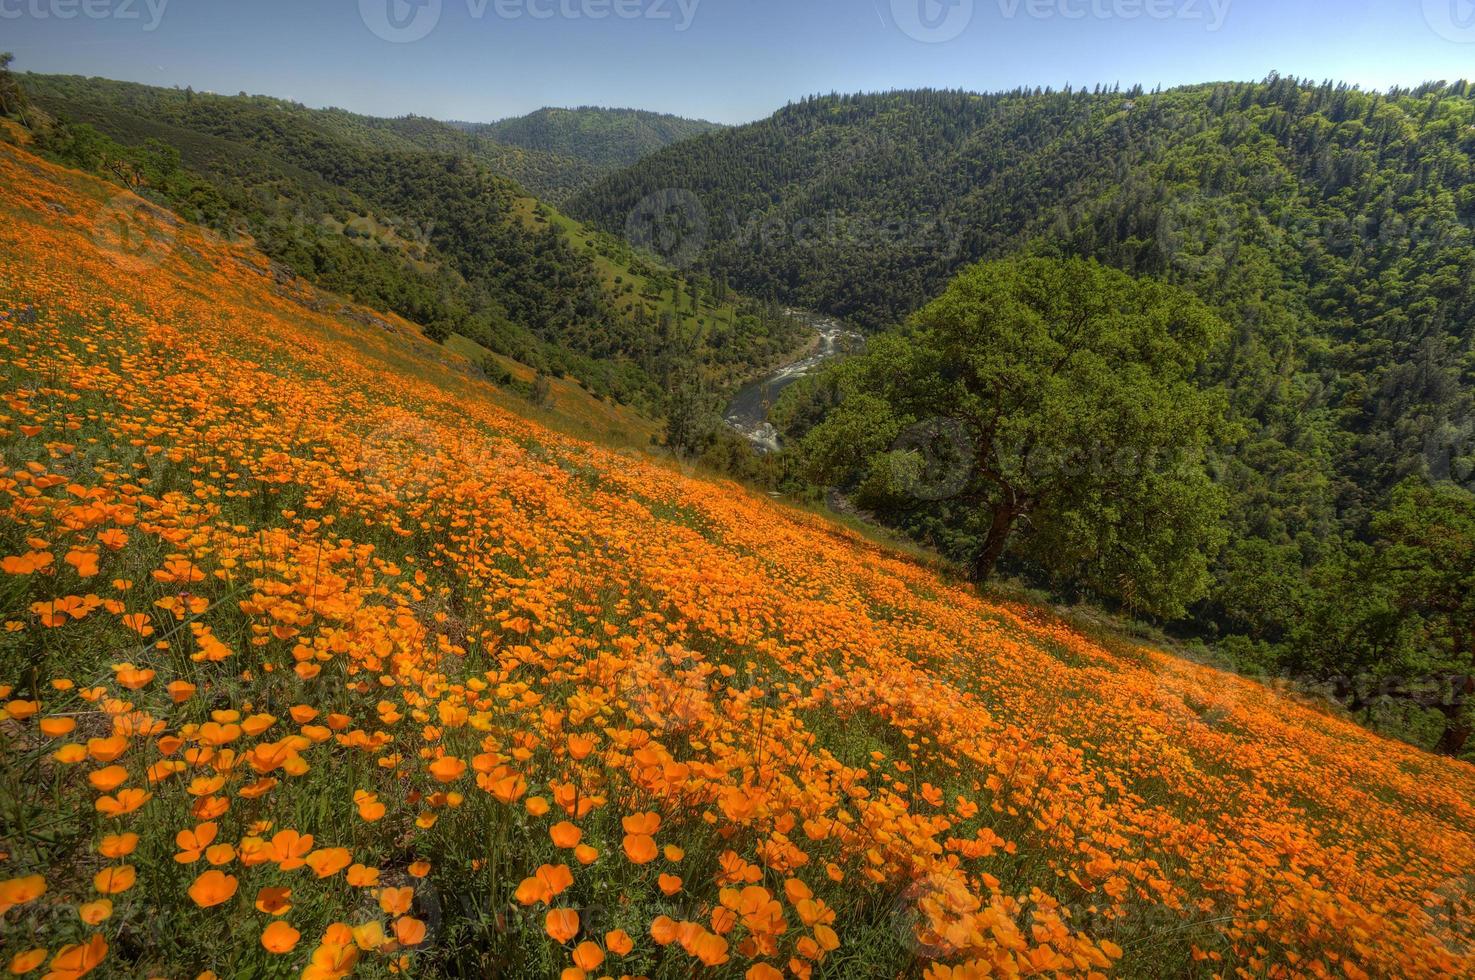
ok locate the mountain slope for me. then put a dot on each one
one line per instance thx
(605, 138)
(289, 597)
(405, 214)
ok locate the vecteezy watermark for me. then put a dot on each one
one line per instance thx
(403, 457)
(135, 234)
(1452, 912)
(932, 21)
(834, 230)
(1453, 20)
(1211, 12)
(944, 457)
(404, 21)
(1449, 452)
(400, 21)
(938, 21)
(150, 11)
(670, 223)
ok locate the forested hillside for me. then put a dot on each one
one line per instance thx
(1329, 228)
(410, 216)
(606, 139)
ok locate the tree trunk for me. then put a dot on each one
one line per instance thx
(1458, 725)
(993, 545)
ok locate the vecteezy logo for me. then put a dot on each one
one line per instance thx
(402, 457)
(400, 21)
(944, 454)
(1453, 20)
(136, 234)
(1452, 909)
(671, 223)
(932, 21)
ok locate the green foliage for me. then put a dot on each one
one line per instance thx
(1051, 409)
(1396, 617)
(12, 99)
(601, 139)
(403, 215)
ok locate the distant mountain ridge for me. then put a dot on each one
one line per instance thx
(606, 138)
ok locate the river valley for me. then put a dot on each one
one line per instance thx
(748, 411)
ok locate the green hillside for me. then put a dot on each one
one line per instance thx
(604, 138)
(408, 215)
(1329, 227)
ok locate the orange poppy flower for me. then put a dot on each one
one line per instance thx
(274, 901)
(509, 789)
(109, 779)
(369, 936)
(641, 823)
(448, 769)
(565, 834)
(133, 678)
(579, 746)
(57, 727)
(640, 848)
(118, 845)
(213, 888)
(22, 710)
(396, 901)
(218, 854)
(106, 750)
(290, 849)
(329, 861)
(561, 925)
(279, 938)
(115, 881)
(22, 963)
(96, 913)
(409, 931)
(588, 956)
(618, 941)
(126, 802)
(79, 960)
(20, 891)
(663, 929)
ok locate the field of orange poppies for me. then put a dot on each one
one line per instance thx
(318, 660)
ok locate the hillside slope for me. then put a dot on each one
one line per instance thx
(382, 674)
(411, 215)
(607, 139)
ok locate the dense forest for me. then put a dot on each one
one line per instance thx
(406, 215)
(1329, 227)
(606, 139)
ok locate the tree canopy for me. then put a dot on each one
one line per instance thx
(1054, 407)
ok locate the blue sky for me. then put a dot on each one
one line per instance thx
(726, 60)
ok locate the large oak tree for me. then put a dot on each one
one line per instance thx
(1055, 408)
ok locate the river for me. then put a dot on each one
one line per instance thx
(749, 408)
